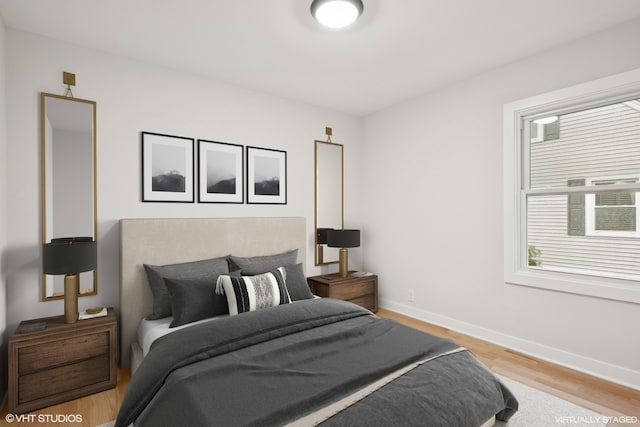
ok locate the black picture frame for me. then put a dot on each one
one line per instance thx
(220, 172)
(167, 168)
(266, 176)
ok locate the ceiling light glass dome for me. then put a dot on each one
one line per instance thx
(336, 13)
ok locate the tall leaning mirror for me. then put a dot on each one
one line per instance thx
(68, 138)
(329, 197)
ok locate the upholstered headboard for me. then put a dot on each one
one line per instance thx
(168, 241)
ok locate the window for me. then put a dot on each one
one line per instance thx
(572, 189)
(612, 214)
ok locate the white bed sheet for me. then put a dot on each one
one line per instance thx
(151, 330)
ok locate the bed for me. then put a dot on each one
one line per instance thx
(314, 361)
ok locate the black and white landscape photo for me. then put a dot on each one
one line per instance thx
(167, 168)
(267, 175)
(220, 172)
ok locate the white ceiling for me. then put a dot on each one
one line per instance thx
(397, 50)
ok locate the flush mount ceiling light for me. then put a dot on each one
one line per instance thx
(336, 13)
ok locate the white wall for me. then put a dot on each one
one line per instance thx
(3, 220)
(132, 97)
(434, 171)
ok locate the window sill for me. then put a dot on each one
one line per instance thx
(597, 287)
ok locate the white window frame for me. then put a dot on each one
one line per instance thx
(516, 271)
(590, 207)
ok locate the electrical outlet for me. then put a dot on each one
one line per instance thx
(411, 296)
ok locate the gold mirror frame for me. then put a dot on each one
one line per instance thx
(68, 203)
(329, 196)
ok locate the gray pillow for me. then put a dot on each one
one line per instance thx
(195, 299)
(252, 266)
(208, 268)
(297, 283)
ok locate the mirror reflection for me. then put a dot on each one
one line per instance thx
(68, 131)
(329, 196)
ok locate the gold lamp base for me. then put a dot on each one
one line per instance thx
(344, 262)
(71, 291)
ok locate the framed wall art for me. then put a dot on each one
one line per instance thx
(266, 176)
(167, 168)
(220, 172)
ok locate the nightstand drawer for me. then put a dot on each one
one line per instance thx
(360, 290)
(47, 355)
(367, 301)
(352, 291)
(63, 379)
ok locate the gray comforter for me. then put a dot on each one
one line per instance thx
(273, 366)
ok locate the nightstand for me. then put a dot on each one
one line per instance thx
(62, 361)
(361, 290)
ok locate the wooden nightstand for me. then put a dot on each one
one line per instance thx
(61, 362)
(358, 290)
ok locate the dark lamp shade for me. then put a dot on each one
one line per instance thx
(343, 238)
(321, 235)
(69, 255)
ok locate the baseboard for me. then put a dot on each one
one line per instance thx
(597, 368)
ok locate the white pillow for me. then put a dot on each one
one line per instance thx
(250, 293)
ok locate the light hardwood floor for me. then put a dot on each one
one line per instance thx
(584, 390)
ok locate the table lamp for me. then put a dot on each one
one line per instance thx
(70, 256)
(343, 239)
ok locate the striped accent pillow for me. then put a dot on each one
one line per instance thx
(250, 293)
